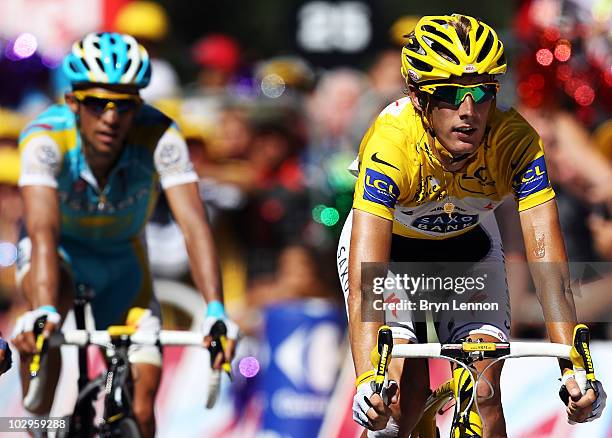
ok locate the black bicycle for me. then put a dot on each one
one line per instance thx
(116, 383)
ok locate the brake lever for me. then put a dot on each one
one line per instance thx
(41, 346)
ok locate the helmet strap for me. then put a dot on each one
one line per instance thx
(425, 103)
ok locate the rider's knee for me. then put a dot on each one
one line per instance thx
(145, 416)
(408, 411)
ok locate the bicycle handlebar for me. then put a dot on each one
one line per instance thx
(103, 338)
(489, 350)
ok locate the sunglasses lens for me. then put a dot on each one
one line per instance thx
(125, 105)
(447, 94)
(99, 105)
(95, 105)
(456, 95)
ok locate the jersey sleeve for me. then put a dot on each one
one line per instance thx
(172, 161)
(41, 161)
(525, 165)
(381, 181)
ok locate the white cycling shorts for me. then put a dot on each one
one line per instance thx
(488, 309)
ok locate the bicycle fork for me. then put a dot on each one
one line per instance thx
(82, 419)
(466, 420)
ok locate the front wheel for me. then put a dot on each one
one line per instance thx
(128, 428)
(124, 428)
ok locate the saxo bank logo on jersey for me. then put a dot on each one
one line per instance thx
(380, 188)
(445, 223)
(531, 180)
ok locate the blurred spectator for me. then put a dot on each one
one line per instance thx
(147, 21)
(278, 207)
(565, 57)
(284, 81)
(298, 276)
(331, 110)
(218, 57)
(332, 107)
(385, 84)
(402, 27)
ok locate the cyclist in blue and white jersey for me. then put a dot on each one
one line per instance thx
(90, 175)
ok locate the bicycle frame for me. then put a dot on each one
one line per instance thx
(116, 382)
(81, 421)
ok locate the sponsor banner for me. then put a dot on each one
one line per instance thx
(296, 384)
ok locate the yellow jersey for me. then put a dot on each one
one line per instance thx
(401, 179)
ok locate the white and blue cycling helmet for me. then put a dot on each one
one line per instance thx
(108, 58)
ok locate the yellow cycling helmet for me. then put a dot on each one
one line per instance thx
(143, 20)
(437, 50)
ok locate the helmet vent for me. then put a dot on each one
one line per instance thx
(486, 48)
(479, 30)
(127, 65)
(442, 22)
(99, 62)
(436, 32)
(114, 58)
(442, 51)
(73, 66)
(502, 59)
(414, 46)
(418, 64)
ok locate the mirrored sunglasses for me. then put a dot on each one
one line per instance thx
(454, 94)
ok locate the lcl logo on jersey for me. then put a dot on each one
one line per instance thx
(532, 179)
(380, 188)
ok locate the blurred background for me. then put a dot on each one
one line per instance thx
(273, 97)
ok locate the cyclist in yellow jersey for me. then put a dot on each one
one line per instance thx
(431, 169)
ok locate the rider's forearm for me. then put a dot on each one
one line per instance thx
(370, 243)
(362, 334)
(547, 258)
(44, 272)
(556, 299)
(203, 260)
(189, 212)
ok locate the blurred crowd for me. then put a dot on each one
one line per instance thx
(271, 140)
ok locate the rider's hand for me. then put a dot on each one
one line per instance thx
(370, 409)
(216, 312)
(586, 400)
(5, 356)
(23, 336)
